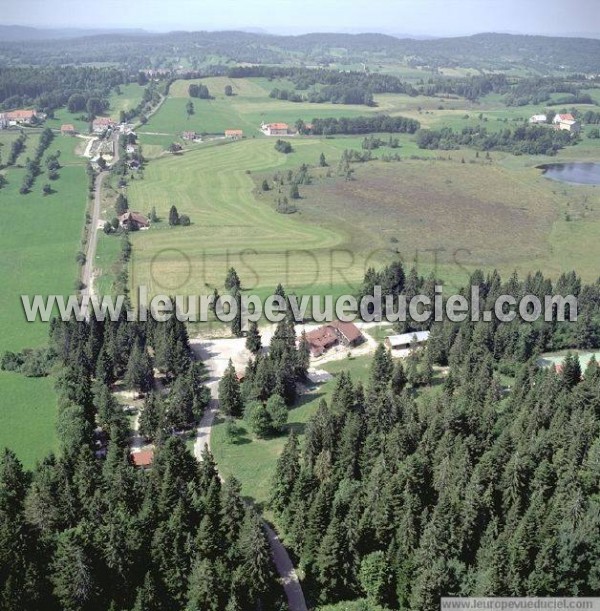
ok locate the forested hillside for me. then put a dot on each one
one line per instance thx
(401, 496)
(88, 530)
(483, 51)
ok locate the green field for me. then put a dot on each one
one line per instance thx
(39, 237)
(443, 215)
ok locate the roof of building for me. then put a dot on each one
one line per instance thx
(142, 458)
(15, 115)
(190, 134)
(103, 121)
(136, 217)
(320, 339)
(348, 329)
(278, 126)
(566, 117)
(408, 338)
(539, 118)
(233, 132)
(67, 127)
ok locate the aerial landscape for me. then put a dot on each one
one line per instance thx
(300, 307)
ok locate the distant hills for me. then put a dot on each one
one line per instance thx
(16, 33)
(136, 48)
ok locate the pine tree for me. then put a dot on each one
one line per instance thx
(253, 340)
(150, 417)
(173, 216)
(139, 374)
(232, 281)
(398, 381)
(286, 472)
(381, 370)
(256, 568)
(229, 393)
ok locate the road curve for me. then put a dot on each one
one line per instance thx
(283, 563)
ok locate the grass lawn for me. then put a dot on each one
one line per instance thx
(41, 249)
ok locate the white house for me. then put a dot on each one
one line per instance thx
(275, 129)
(570, 126)
(538, 119)
(406, 341)
(3, 121)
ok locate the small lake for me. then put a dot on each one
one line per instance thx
(575, 173)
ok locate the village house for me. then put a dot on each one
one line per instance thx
(133, 221)
(189, 135)
(558, 119)
(142, 459)
(326, 337)
(234, 134)
(276, 129)
(67, 130)
(21, 117)
(407, 341)
(101, 124)
(570, 126)
(537, 119)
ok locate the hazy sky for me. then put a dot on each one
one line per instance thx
(435, 17)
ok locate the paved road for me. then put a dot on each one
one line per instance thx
(87, 273)
(281, 559)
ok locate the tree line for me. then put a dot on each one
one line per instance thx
(521, 140)
(362, 125)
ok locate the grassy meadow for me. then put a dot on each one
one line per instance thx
(39, 236)
(251, 460)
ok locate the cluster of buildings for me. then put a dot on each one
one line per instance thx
(333, 334)
(566, 122)
(275, 129)
(101, 124)
(20, 117)
(133, 221)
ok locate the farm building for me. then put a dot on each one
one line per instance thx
(143, 459)
(538, 119)
(21, 117)
(234, 134)
(133, 221)
(570, 126)
(406, 341)
(560, 118)
(101, 124)
(326, 337)
(276, 129)
(189, 135)
(67, 130)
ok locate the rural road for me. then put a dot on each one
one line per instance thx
(281, 559)
(87, 273)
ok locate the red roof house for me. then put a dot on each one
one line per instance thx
(143, 459)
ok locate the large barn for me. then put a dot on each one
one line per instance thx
(326, 337)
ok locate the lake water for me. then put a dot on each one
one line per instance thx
(577, 173)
